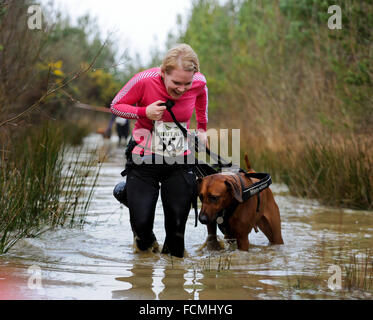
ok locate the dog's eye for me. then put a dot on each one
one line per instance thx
(213, 198)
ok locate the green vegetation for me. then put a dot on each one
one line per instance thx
(34, 62)
(300, 93)
(42, 74)
(336, 172)
(40, 190)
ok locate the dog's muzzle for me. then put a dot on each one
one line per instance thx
(203, 218)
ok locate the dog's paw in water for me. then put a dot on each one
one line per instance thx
(212, 243)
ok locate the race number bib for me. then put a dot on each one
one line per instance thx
(168, 140)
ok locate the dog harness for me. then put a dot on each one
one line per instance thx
(203, 170)
(264, 182)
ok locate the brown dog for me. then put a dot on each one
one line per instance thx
(224, 191)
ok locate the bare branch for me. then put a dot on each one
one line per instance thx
(52, 91)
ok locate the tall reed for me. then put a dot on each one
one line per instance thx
(359, 273)
(39, 190)
(335, 172)
(276, 71)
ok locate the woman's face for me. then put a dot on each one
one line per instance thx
(177, 82)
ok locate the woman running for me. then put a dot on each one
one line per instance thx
(156, 156)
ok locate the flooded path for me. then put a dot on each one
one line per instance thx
(97, 262)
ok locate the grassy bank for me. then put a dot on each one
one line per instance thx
(301, 93)
(337, 172)
(43, 185)
(39, 189)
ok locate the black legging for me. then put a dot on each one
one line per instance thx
(176, 193)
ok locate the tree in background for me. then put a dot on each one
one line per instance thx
(34, 61)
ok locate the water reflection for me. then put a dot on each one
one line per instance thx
(97, 262)
(174, 285)
(138, 284)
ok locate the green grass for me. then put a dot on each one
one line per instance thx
(39, 190)
(336, 173)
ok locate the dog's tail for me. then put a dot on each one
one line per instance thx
(248, 164)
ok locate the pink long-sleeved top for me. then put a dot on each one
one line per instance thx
(147, 87)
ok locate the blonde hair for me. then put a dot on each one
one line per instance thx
(182, 56)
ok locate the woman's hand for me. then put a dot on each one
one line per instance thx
(155, 111)
(202, 138)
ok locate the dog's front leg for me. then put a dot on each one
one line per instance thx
(242, 237)
(212, 240)
(211, 231)
(243, 243)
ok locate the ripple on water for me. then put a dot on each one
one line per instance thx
(98, 262)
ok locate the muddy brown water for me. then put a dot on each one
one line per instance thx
(98, 261)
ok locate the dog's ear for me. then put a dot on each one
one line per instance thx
(199, 181)
(235, 189)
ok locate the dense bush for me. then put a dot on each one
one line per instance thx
(38, 190)
(275, 70)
